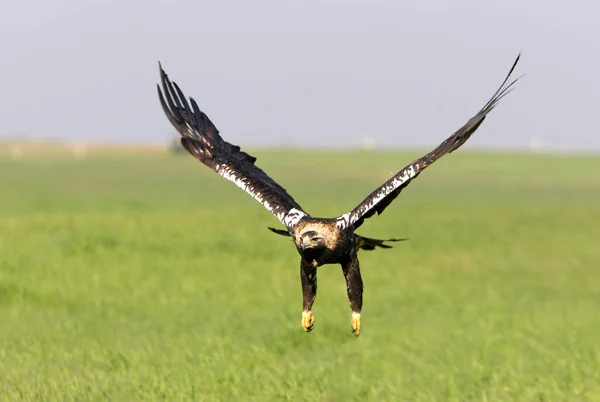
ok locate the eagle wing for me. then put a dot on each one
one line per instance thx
(379, 199)
(200, 137)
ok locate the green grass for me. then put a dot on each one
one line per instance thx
(151, 278)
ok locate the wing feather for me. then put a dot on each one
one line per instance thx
(379, 199)
(201, 139)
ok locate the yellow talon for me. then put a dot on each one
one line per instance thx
(355, 322)
(308, 320)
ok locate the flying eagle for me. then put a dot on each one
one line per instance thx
(318, 240)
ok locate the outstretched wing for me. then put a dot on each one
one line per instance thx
(379, 199)
(200, 137)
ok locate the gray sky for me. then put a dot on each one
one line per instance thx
(303, 72)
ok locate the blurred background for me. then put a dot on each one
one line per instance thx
(129, 271)
(310, 74)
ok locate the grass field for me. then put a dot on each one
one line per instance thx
(148, 277)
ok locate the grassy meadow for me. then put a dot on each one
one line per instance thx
(145, 276)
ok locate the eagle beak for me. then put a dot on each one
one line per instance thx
(306, 243)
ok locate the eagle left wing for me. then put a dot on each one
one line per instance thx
(200, 137)
(379, 199)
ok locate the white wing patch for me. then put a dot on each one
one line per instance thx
(293, 217)
(289, 219)
(230, 175)
(343, 221)
(349, 218)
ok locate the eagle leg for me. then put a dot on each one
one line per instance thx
(308, 276)
(354, 286)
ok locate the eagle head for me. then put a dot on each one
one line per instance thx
(312, 240)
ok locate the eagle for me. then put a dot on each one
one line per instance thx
(319, 241)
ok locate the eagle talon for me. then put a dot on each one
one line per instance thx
(355, 323)
(308, 320)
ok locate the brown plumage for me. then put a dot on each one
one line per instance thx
(361, 242)
(319, 241)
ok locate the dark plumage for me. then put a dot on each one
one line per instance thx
(319, 241)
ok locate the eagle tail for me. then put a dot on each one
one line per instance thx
(366, 243)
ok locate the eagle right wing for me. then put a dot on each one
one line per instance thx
(200, 137)
(379, 199)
